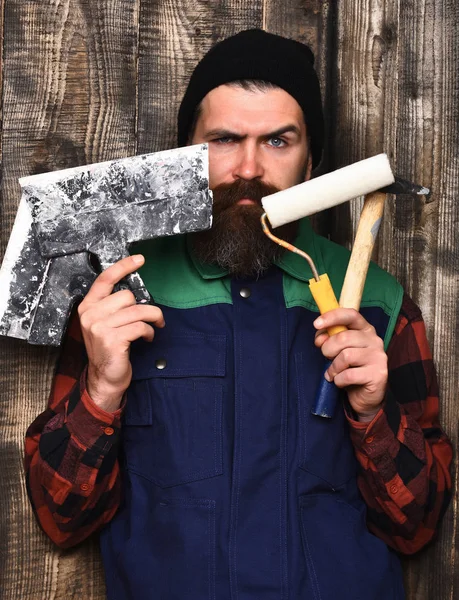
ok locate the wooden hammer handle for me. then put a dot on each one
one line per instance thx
(367, 230)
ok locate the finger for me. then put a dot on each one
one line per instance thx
(358, 357)
(342, 316)
(136, 331)
(108, 305)
(359, 376)
(351, 339)
(138, 312)
(105, 282)
(321, 337)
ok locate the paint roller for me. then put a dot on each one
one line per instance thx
(337, 187)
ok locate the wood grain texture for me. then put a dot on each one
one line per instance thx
(86, 80)
(69, 77)
(310, 22)
(397, 91)
(2, 9)
(174, 35)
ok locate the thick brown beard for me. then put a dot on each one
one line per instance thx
(236, 241)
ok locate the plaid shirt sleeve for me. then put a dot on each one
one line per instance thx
(71, 449)
(403, 453)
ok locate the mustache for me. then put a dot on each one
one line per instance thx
(226, 195)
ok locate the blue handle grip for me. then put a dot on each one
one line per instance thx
(327, 397)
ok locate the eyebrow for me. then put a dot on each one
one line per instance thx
(291, 128)
(286, 129)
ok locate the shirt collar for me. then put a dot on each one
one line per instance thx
(291, 263)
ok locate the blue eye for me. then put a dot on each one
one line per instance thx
(277, 142)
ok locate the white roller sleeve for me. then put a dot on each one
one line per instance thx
(328, 190)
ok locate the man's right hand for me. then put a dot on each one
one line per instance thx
(109, 323)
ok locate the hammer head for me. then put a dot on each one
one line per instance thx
(402, 186)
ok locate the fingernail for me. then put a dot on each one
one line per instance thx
(138, 259)
(318, 322)
(327, 376)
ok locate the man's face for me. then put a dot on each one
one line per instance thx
(257, 146)
(253, 135)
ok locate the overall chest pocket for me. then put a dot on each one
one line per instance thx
(324, 447)
(173, 418)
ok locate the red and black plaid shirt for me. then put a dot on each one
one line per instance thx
(73, 475)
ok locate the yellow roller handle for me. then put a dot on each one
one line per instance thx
(325, 298)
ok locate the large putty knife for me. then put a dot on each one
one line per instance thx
(100, 210)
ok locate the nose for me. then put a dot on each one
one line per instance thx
(249, 163)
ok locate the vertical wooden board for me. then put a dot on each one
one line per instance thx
(310, 22)
(174, 35)
(365, 102)
(2, 10)
(397, 92)
(428, 131)
(69, 75)
(4, 504)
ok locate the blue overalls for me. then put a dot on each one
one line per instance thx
(233, 490)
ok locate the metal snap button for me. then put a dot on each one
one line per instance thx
(245, 292)
(161, 363)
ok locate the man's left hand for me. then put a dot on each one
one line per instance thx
(359, 360)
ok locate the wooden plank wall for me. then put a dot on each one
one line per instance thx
(397, 84)
(91, 80)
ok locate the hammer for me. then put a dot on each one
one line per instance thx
(373, 178)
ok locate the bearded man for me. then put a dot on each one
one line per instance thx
(184, 430)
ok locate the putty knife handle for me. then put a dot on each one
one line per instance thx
(67, 280)
(134, 283)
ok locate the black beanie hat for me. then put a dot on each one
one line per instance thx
(256, 54)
